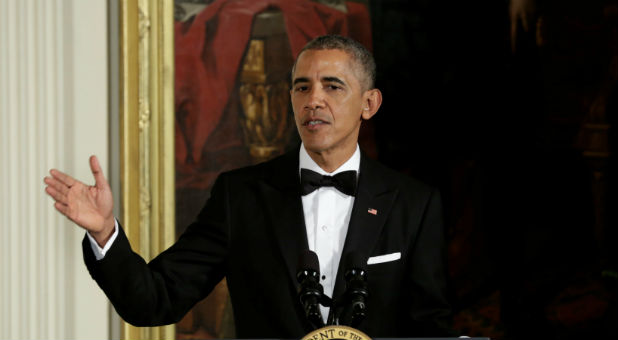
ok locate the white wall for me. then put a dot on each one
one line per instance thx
(53, 113)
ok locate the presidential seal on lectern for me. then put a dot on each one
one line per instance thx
(336, 332)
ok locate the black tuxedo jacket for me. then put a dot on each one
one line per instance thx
(252, 230)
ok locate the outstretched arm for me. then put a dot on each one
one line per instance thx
(90, 207)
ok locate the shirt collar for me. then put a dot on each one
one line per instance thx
(306, 162)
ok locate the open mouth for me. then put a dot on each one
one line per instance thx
(314, 122)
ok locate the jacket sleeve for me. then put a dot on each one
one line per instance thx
(162, 291)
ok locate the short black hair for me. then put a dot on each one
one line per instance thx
(359, 54)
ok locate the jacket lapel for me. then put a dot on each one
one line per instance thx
(374, 200)
(281, 192)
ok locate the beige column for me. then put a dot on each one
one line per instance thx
(53, 113)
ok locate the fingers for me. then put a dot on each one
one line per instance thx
(56, 195)
(62, 208)
(60, 204)
(62, 177)
(99, 178)
(57, 185)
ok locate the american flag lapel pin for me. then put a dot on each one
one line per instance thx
(372, 211)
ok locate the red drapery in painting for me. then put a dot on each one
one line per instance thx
(208, 54)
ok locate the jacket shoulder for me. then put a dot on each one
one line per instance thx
(403, 182)
(283, 165)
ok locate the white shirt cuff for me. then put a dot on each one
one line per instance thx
(99, 252)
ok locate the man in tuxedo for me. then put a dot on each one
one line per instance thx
(260, 218)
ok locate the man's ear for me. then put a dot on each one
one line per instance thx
(372, 100)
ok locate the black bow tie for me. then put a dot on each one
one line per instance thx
(344, 181)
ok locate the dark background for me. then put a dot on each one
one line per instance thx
(518, 141)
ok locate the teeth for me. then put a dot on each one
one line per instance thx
(314, 122)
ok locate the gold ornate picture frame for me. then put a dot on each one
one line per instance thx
(147, 134)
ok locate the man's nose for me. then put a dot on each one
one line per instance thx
(315, 99)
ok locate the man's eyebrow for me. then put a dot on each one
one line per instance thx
(300, 80)
(324, 79)
(333, 80)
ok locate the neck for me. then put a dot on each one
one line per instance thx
(330, 161)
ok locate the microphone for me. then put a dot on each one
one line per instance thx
(310, 290)
(356, 294)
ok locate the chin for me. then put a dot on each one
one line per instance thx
(314, 147)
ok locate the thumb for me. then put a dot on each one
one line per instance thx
(99, 178)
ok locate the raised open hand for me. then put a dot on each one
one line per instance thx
(90, 207)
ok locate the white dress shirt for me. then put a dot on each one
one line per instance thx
(327, 215)
(99, 252)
